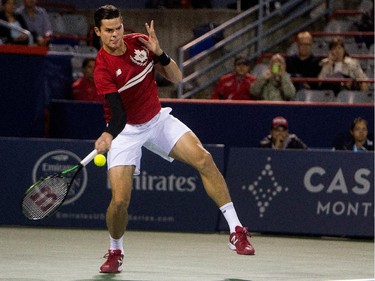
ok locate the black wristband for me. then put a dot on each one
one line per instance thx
(164, 59)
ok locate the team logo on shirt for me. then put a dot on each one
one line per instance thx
(140, 57)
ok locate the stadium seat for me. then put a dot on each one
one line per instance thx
(61, 48)
(320, 48)
(89, 51)
(76, 24)
(57, 22)
(366, 5)
(315, 95)
(370, 63)
(259, 69)
(355, 97)
(356, 48)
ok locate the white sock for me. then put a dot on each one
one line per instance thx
(229, 213)
(116, 244)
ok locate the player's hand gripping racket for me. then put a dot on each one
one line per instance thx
(45, 196)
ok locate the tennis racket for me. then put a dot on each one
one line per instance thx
(45, 196)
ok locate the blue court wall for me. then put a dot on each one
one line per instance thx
(289, 192)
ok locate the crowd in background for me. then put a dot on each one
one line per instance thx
(275, 83)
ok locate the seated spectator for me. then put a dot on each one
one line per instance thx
(365, 24)
(37, 21)
(340, 65)
(357, 140)
(274, 84)
(236, 85)
(279, 137)
(12, 36)
(84, 88)
(304, 63)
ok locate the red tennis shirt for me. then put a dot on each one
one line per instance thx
(132, 76)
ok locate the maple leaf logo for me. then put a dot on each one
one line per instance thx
(140, 55)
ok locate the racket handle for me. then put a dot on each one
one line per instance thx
(89, 158)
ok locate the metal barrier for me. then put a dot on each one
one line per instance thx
(250, 33)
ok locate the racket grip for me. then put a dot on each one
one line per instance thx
(89, 158)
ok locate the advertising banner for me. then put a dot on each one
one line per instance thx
(303, 192)
(166, 196)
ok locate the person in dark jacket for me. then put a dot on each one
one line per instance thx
(357, 140)
(280, 138)
(8, 14)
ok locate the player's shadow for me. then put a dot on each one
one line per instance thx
(236, 280)
(110, 277)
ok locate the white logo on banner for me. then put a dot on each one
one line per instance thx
(265, 195)
(57, 161)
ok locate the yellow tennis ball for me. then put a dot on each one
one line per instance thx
(100, 160)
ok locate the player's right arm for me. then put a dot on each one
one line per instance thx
(116, 124)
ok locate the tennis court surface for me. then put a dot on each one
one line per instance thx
(46, 254)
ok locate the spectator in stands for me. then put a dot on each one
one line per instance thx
(357, 140)
(340, 65)
(365, 24)
(279, 137)
(274, 84)
(84, 89)
(12, 36)
(304, 63)
(235, 85)
(37, 21)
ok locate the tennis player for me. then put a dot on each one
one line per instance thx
(125, 74)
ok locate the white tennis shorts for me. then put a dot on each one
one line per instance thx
(159, 135)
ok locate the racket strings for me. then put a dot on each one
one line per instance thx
(44, 197)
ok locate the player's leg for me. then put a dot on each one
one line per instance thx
(190, 150)
(121, 179)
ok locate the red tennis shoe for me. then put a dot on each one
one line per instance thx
(238, 241)
(113, 263)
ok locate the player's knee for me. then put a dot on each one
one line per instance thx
(205, 162)
(120, 204)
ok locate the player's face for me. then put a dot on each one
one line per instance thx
(111, 33)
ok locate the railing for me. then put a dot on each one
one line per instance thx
(354, 56)
(331, 80)
(24, 31)
(250, 33)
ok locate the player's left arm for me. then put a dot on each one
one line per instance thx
(166, 66)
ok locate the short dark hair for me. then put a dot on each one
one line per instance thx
(105, 12)
(357, 120)
(86, 61)
(241, 60)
